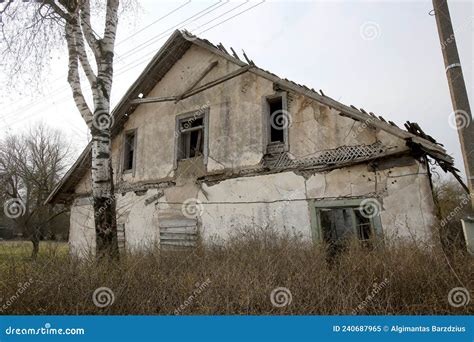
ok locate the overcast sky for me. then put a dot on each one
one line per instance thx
(383, 56)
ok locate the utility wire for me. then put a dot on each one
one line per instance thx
(145, 58)
(132, 35)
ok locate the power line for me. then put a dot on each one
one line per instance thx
(60, 90)
(248, 9)
(158, 36)
(141, 30)
(144, 58)
(153, 23)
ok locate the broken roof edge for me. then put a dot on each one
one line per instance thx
(183, 37)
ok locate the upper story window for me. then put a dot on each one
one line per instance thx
(129, 149)
(191, 138)
(191, 134)
(278, 120)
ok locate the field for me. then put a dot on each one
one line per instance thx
(253, 274)
(21, 250)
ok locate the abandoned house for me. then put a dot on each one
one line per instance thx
(205, 142)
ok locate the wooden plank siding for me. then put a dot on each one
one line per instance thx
(178, 233)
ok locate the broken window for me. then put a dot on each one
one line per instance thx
(129, 151)
(192, 135)
(336, 224)
(339, 221)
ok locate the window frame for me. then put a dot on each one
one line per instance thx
(204, 113)
(266, 118)
(125, 134)
(317, 205)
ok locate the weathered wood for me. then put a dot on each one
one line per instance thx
(249, 61)
(177, 223)
(222, 48)
(218, 81)
(194, 91)
(178, 230)
(153, 99)
(234, 53)
(178, 243)
(179, 236)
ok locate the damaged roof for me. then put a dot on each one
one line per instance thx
(176, 46)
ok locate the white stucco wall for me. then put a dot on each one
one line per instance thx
(81, 228)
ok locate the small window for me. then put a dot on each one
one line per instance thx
(129, 151)
(191, 136)
(277, 119)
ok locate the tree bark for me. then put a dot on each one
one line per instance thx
(35, 240)
(79, 31)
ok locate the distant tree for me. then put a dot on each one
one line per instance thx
(453, 204)
(31, 165)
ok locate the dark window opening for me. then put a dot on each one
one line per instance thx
(191, 138)
(129, 151)
(338, 225)
(278, 121)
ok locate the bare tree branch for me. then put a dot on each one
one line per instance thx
(86, 26)
(73, 77)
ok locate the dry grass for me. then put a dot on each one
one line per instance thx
(238, 278)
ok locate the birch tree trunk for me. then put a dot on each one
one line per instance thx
(78, 29)
(39, 23)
